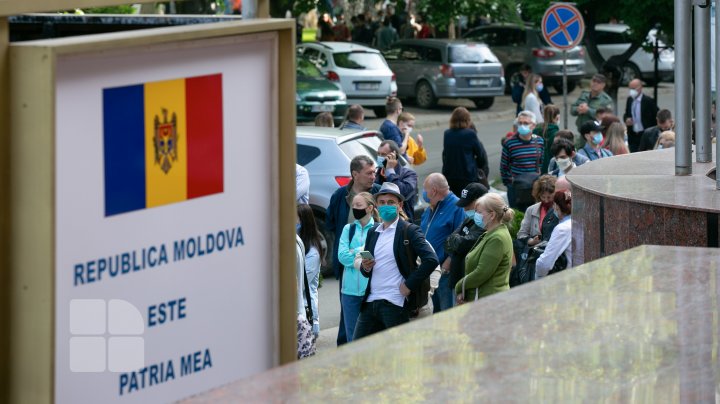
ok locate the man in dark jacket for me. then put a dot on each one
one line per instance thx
(651, 134)
(362, 171)
(640, 112)
(462, 240)
(396, 288)
(392, 169)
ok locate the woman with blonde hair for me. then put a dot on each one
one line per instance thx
(666, 140)
(352, 241)
(531, 97)
(615, 139)
(487, 265)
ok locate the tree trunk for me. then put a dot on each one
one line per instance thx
(451, 29)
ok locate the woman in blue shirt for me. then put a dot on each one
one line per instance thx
(352, 241)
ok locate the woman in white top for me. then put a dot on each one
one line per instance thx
(561, 237)
(531, 97)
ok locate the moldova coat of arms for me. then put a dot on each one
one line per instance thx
(165, 141)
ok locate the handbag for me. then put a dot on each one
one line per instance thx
(561, 262)
(463, 290)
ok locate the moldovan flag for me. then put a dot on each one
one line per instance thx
(163, 142)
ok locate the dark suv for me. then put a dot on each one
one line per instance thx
(516, 45)
(428, 69)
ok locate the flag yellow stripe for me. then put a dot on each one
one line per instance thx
(166, 154)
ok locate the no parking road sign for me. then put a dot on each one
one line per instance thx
(563, 26)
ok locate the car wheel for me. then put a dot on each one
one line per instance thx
(630, 72)
(380, 112)
(484, 102)
(424, 95)
(327, 240)
(570, 87)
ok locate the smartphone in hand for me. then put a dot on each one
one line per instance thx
(367, 255)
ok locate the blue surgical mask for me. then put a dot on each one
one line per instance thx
(380, 160)
(478, 220)
(425, 196)
(297, 228)
(539, 87)
(388, 213)
(597, 138)
(524, 130)
(470, 214)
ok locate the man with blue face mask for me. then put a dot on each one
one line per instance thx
(593, 149)
(438, 221)
(521, 159)
(397, 287)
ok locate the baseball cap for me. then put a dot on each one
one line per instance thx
(471, 193)
(589, 126)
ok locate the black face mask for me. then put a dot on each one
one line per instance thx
(359, 213)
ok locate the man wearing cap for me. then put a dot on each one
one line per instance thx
(462, 240)
(398, 287)
(339, 213)
(589, 101)
(391, 168)
(438, 221)
(592, 133)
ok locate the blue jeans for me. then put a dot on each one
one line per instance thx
(377, 316)
(443, 298)
(351, 311)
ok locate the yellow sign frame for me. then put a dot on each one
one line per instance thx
(30, 231)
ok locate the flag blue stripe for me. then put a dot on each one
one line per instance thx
(124, 149)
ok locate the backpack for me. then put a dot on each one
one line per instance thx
(417, 299)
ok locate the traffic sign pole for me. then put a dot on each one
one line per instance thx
(565, 113)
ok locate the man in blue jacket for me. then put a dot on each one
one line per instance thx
(397, 288)
(393, 169)
(362, 171)
(438, 222)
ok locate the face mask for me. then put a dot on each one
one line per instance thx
(597, 138)
(564, 163)
(380, 160)
(524, 130)
(297, 228)
(408, 130)
(425, 196)
(359, 213)
(388, 213)
(660, 146)
(478, 220)
(539, 87)
(633, 93)
(470, 214)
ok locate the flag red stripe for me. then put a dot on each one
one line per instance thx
(204, 108)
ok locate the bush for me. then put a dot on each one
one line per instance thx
(514, 227)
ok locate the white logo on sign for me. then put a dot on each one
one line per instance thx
(91, 351)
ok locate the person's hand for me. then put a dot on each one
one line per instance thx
(410, 159)
(582, 108)
(419, 141)
(446, 265)
(404, 290)
(629, 122)
(316, 330)
(534, 240)
(392, 161)
(367, 264)
(459, 299)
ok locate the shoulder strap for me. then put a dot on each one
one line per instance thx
(351, 232)
(406, 242)
(307, 297)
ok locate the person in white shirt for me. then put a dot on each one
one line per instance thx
(531, 97)
(397, 287)
(561, 238)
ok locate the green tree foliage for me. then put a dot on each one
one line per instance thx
(441, 12)
(127, 9)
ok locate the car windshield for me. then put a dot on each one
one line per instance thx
(365, 145)
(471, 53)
(359, 60)
(305, 68)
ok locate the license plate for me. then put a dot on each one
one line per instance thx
(368, 86)
(323, 108)
(570, 69)
(480, 82)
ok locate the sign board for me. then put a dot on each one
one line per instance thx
(168, 165)
(563, 26)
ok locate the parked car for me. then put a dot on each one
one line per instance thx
(516, 45)
(326, 154)
(428, 69)
(613, 39)
(361, 72)
(316, 94)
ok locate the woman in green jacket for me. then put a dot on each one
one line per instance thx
(551, 115)
(487, 266)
